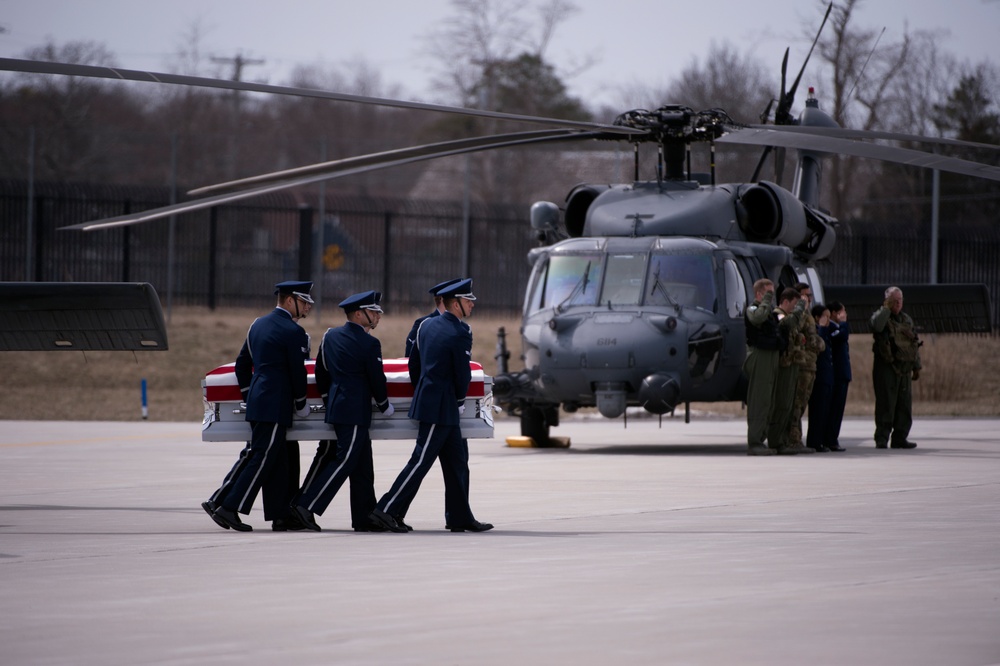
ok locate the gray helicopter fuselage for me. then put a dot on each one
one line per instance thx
(646, 306)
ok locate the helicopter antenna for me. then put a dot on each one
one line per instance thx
(865, 66)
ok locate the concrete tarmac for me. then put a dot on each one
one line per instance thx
(643, 545)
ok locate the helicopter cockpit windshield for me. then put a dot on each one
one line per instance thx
(684, 280)
(653, 277)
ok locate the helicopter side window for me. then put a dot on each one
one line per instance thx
(536, 290)
(736, 291)
(623, 279)
(572, 280)
(681, 280)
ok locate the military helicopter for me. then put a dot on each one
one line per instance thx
(637, 293)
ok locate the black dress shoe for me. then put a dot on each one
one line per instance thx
(404, 525)
(820, 449)
(210, 508)
(383, 519)
(836, 447)
(903, 445)
(287, 525)
(305, 516)
(230, 519)
(371, 527)
(474, 526)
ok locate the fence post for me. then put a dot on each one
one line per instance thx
(126, 242)
(305, 242)
(386, 249)
(39, 234)
(864, 260)
(213, 233)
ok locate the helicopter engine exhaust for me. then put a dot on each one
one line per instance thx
(769, 212)
(659, 393)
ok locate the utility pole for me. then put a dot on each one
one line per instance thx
(238, 62)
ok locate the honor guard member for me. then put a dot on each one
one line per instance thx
(349, 375)
(895, 366)
(840, 333)
(439, 370)
(273, 356)
(764, 346)
(438, 310)
(789, 313)
(411, 340)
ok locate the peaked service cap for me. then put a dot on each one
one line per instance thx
(366, 300)
(458, 289)
(441, 285)
(296, 288)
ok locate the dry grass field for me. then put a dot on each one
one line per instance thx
(961, 374)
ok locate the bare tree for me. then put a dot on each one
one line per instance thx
(868, 79)
(492, 56)
(69, 116)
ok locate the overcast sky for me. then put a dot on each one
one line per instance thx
(632, 41)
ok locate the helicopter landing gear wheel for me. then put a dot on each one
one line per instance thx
(535, 423)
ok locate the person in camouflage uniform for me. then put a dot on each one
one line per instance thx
(789, 312)
(896, 365)
(805, 358)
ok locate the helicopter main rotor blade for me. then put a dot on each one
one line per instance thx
(844, 133)
(90, 71)
(208, 202)
(827, 144)
(430, 150)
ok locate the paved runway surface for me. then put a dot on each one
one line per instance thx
(638, 546)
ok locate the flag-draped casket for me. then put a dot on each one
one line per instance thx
(225, 413)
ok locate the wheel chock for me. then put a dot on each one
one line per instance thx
(529, 443)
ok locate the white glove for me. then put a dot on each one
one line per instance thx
(302, 413)
(461, 409)
(389, 411)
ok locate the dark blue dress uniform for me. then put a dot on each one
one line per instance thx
(273, 357)
(411, 338)
(349, 375)
(840, 342)
(822, 392)
(439, 370)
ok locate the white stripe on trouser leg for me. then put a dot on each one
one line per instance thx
(350, 447)
(420, 462)
(314, 472)
(274, 434)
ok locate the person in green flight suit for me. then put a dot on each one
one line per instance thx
(895, 366)
(764, 347)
